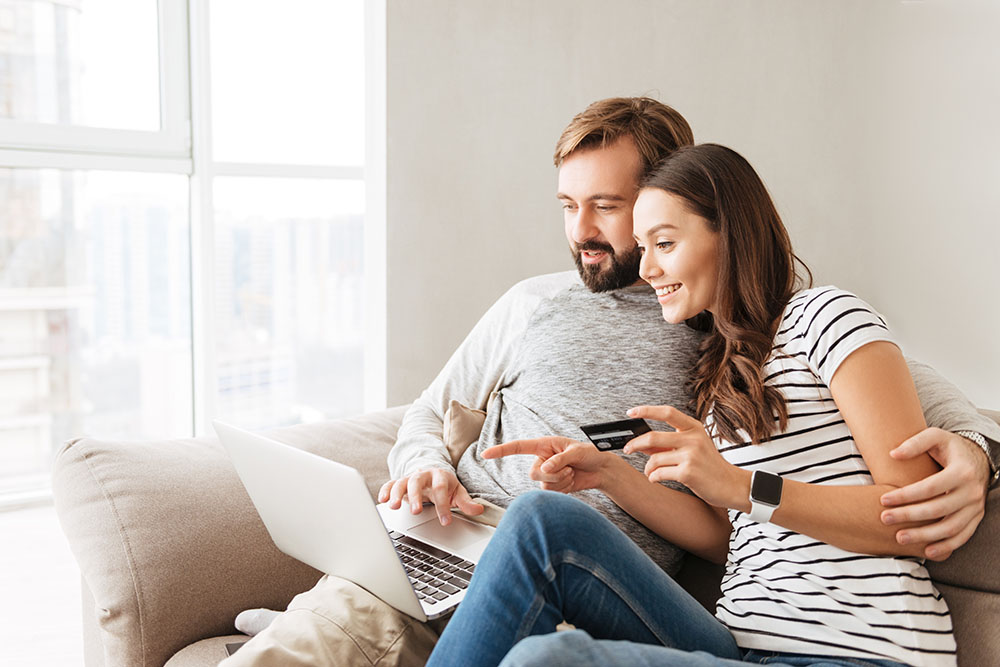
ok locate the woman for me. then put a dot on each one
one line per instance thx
(799, 397)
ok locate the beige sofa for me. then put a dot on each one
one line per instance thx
(170, 547)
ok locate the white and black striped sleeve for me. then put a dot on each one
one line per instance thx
(835, 323)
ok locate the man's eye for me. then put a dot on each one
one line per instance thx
(569, 207)
(606, 209)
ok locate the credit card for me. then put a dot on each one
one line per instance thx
(614, 435)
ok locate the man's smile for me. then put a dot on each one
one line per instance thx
(592, 256)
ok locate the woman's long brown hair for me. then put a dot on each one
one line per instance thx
(757, 277)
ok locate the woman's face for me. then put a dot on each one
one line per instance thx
(679, 254)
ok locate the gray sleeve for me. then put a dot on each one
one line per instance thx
(470, 375)
(945, 406)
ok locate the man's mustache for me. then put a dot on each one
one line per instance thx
(591, 246)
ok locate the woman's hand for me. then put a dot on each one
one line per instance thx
(562, 464)
(688, 455)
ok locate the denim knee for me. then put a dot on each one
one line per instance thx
(538, 502)
(557, 519)
(551, 650)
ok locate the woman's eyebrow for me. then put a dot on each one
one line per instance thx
(662, 225)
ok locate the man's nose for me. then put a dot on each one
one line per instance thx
(584, 226)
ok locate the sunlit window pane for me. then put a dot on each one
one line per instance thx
(95, 329)
(288, 81)
(289, 309)
(80, 62)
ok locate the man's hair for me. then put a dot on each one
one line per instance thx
(656, 129)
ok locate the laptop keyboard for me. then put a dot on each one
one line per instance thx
(435, 574)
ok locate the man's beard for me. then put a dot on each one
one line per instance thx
(624, 269)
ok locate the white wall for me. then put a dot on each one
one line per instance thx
(872, 121)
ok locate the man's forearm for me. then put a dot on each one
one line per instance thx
(419, 444)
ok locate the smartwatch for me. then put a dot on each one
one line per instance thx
(765, 495)
(992, 450)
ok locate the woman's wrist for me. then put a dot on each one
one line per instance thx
(615, 472)
(739, 499)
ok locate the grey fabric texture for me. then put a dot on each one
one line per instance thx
(584, 357)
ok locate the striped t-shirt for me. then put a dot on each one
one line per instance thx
(787, 592)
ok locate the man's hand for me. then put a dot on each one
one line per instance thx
(438, 485)
(561, 464)
(954, 498)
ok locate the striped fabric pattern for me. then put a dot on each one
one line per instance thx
(783, 591)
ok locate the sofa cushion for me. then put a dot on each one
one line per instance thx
(205, 653)
(974, 615)
(168, 541)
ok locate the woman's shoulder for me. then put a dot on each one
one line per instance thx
(825, 324)
(816, 305)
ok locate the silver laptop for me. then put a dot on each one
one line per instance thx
(321, 513)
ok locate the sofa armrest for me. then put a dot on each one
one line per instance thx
(169, 543)
(970, 583)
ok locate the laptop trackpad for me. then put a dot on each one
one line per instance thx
(458, 535)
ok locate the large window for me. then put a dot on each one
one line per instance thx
(182, 221)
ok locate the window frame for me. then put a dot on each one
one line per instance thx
(172, 140)
(183, 145)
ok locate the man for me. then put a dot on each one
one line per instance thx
(566, 349)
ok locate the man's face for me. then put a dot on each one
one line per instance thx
(597, 188)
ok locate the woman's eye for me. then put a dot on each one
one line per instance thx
(641, 249)
(664, 245)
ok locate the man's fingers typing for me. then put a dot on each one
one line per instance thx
(464, 502)
(415, 492)
(397, 492)
(440, 494)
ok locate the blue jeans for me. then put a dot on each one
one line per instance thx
(554, 558)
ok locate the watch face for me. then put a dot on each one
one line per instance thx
(766, 488)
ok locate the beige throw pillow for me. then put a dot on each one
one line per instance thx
(462, 426)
